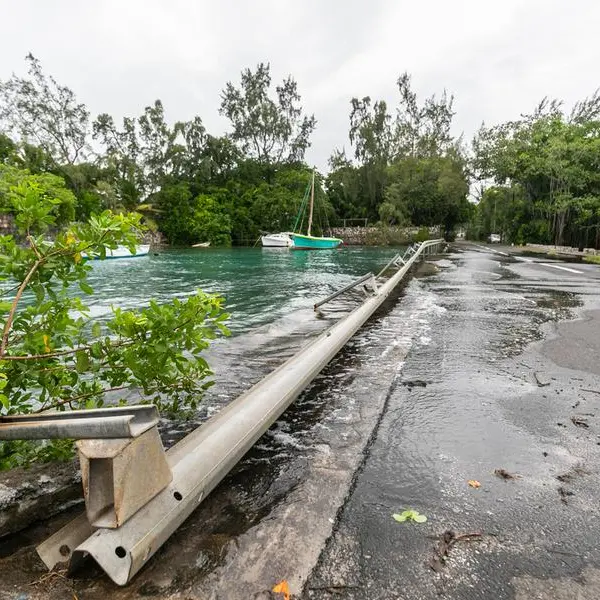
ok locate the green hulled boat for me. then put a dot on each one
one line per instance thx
(308, 241)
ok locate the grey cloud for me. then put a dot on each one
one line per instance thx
(498, 58)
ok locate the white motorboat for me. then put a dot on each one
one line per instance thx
(277, 240)
(123, 252)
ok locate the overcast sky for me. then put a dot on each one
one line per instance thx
(499, 58)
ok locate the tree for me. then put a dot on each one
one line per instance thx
(422, 130)
(552, 159)
(271, 131)
(430, 191)
(147, 153)
(38, 110)
(372, 137)
(8, 150)
(53, 355)
(370, 131)
(211, 223)
(343, 187)
(122, 158)
(49, 188)
(401, 158)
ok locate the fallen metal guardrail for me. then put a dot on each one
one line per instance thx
(130, 515)
(368, 277)
(100, 423)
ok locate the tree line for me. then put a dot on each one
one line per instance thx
(543, 176)
(534, 179)
(195, 186)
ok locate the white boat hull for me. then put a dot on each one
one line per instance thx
(277, 240)
(123, 252)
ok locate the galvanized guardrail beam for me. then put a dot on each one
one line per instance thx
(101, 423)
(202, 459)
(346, 288)
(123, 462)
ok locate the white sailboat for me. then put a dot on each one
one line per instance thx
(296, 240)
(277, 240)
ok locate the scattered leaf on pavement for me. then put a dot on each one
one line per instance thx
(282, 588)
(410, 515)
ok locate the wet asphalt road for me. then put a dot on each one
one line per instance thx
(505, 382)
(480, 366)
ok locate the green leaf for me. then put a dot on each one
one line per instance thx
(82, 361)
(410, 515)
(96, 330)
(39, 292)
(86, 288)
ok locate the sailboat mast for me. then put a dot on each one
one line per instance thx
(312, 201)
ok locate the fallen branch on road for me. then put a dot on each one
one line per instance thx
(447, 541)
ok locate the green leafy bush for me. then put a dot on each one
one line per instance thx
(422, 235)
(54, 356)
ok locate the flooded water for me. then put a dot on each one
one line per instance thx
(261, 286)
(474, 398)
(269, 295)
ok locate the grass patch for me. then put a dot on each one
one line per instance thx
(592, 258)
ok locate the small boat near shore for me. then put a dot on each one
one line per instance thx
(123, 252)
(277, 240)
(298, 241)
(201, 245)
(308, 241)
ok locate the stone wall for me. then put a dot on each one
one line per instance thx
(561, 249)
(155, 238)
(375, 236)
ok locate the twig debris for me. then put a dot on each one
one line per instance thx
(564, 494)
(443, 547)
(572, 474)
(591, 391)
(504, 474)
(580, 422)
(415, 383)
